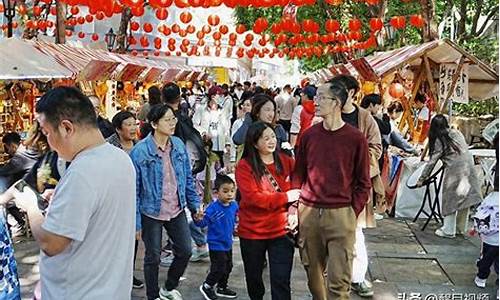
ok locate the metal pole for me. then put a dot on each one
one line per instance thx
(9, 27)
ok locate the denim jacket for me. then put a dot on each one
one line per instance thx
(149, 168)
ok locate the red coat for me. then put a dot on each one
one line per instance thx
(263, 211)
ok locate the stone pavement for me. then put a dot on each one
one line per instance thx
(404, 262)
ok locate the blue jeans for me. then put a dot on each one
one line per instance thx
(178, 231)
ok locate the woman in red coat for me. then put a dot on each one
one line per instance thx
(263, 178)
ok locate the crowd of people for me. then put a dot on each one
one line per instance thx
(204, 165)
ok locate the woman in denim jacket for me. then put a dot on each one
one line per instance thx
(165, 186)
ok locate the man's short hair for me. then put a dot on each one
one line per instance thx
(247, 83)
(171, 93)
(221, 180)
(350, 82)
(395, 107)
(121, 116)
(287, 87)
(11, 138)
(339, 91)
(67, 103)
(373, 99)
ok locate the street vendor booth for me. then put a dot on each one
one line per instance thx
(442, 73)
(28, 68)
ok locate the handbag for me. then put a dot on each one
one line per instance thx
(292, 213)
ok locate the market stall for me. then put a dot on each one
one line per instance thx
(441, 71)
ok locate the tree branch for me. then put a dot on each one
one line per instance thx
(492, 13)
(477, 14)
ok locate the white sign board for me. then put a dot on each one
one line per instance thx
(461, 93)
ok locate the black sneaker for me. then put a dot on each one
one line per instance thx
(137, 284)
(208, 292)
(226, 293)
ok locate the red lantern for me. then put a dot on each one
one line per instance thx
(134, 52)
(50, 24)
(355, 35)
(213, 20)
(240, 28)
(100, 15)
(224, 29)
(144, 41)
(398, 22)
(80, 20)
(132, 41)
(89, 18)
(158, 3)
(276, 28)
(217, 35)
(260, 25)
(166, 31)
(191, 29)
(134, 26)
(195, 3)
(181, 3)
(233, 36)
(53, 10)
(332, 25)
(69, 33)
(396, 90)
(186, 17)
(206, 29)
(37, 11)
(156, 53)
(176, 28)
(161, 13)
(372, 2)
(355, 25)
(376, 24)
(74, 10)
(200, 35)
(145, 53)
(95, 37)
(137, 11)
(263, 42)
(81, 35)
(147, 27)
(417, 21)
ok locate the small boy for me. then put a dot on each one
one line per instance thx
(220, 217)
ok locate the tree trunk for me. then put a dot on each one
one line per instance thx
(430, 31)
(121, 37)
(463, 20)
(60, 33)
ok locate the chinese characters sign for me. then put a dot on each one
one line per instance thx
(461, 92)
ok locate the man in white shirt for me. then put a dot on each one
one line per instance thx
(87, 236)
(286, 104)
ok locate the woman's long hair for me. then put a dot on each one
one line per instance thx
(251, 154)
(440, 130)
(258, 101)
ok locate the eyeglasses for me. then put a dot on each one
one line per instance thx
(171, 120)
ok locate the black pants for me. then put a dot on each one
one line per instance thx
(178, 230)
(287, 124)
(221, 265)
(280, 251)
(489, 256)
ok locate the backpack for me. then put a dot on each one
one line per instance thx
(193, 141)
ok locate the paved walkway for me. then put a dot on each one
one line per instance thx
(404, 262)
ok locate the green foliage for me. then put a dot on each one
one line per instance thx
(477, 108)
(485, 48)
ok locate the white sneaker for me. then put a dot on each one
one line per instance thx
(170, 295)
(378, 217)
(440, 232)
(481, 283)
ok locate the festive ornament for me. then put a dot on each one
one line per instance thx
(376, 24)
(396, 90)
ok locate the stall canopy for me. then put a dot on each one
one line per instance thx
(23, 59)
(483, 80)
(18, 60)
